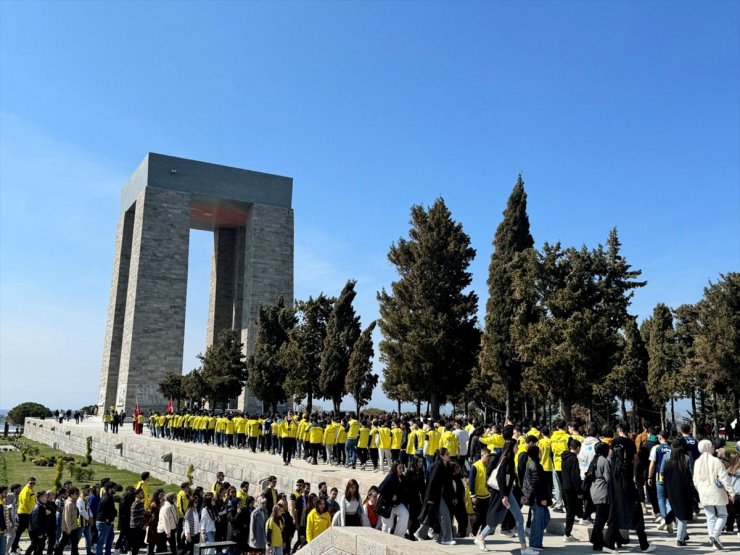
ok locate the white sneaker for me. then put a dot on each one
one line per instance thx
(529, 551)
(430, 534)
(451, 542)
(609, 550)
(585, 522)
(662, 526)
(570, 539)
(480, 543)
(417, 536)
(649, 548)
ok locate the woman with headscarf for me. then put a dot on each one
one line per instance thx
(677, 482)
(713, 485)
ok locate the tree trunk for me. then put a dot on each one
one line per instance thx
(399, 405)
(673, 415)
(509, 401)
(635, 423)
(359, 406)
(524, 407)
(564, 410)
(624, 410)
(434, 402)
(715, 417)
(418, 408)
(703, 406)
(336, 403)
(309, 403)
(662, 417)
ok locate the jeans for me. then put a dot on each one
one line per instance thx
(516, 512)
(540, 520)
(210, 538)
(351, 448)
(663, 504)
(85, 531)
(59, 528)
(716, 518)
(105, 538)
(3, 541)
(681, 529)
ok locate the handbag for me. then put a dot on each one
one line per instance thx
(492, 481)
(383, 506)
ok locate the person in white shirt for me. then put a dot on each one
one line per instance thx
(462, 442)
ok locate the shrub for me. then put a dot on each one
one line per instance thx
(88, 452)
(19, 413)
(57, 479)
(189, 475)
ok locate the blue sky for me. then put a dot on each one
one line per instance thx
(618, 114)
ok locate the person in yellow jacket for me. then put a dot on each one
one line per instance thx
(315, 439)
(253, 426)
(363, 443)
(330, 438)
(288, 431)
(26, 503)
(385, 439)
(318, 520)
(396, 439)
(240, 429)
(449, 441)
(432, 444)
(274, 529)
(559, 445)
(493, 439)
(229, 431)
(350, 446)
(142, 485)
(546, 455)
(339, 452)
(374, 444)
(182, 501)
(480, 496)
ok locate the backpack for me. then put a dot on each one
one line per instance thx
(590, 477)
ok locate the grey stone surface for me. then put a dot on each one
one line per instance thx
(252, 266)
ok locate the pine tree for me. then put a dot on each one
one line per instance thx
(171, 387)
(428, 320)
(499, 354)
(342, 332)
(266, 368)
(360, 380)
(194, 387)
(302, 354)
(223, 368)
(627, 379)
(663, 362)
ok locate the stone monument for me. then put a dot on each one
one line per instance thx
(251, 218)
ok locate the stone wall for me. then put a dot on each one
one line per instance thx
(169, 460)
(366, 541)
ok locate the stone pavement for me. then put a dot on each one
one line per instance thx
(236, 462)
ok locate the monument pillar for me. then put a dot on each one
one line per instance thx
(154, 327)
(251, 218)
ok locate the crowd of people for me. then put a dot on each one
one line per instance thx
(443, 480)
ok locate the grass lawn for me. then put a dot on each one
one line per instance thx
(13, 470)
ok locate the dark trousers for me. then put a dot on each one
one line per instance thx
(67, 538)
(362, 454)
(572, 509)
(733, 515)
(481, 510)
(316, 449)
(288, 447)
(614, 536)
(374, 457)
(597, 534)
(37, 544)
(135, 540)
(461, 517)
(166, 541)
(23, 521)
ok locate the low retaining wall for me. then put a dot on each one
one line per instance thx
(169, 460)
(366, 541)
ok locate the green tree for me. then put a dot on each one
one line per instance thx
(663, 361)
(18, 414)
(717, 343)
(360, 381)
(428, 320)
(194, 387)
(266, 365)
(342, 332)
(302, 354)
(504, 309)
(223, 368)
(171, 387)
(627, 379)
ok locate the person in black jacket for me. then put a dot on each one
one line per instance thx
(391, 489)
(37, 528)
(105, 520)
(124, 520)
(572, 486)
(536, 493)
(438, 499)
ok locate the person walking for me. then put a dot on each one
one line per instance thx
(572, 486)
(105, 519)
(136, 523)
(37, 528)
(69, 523)
(167, 525)
(26, 504)
(437, 501)
(715, 489)
(391, 489)
(537, 495)
(480, 497)
(678, 487)
(257, 535)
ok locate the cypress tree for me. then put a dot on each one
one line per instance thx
(428, 321)
(662, 365)
(342, 332)
(266, 369)
(302, 354)
(499, 351)
(360, 380)
(223, 367)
